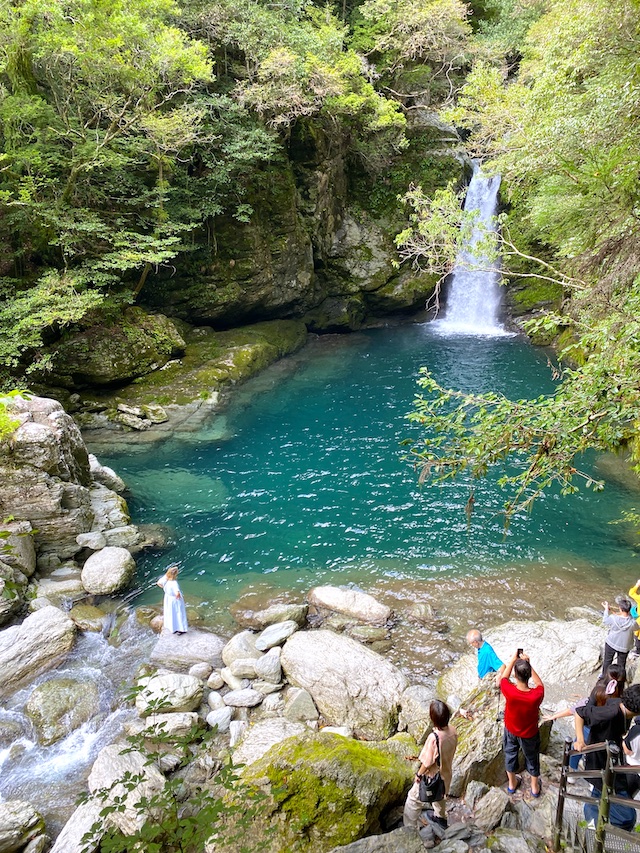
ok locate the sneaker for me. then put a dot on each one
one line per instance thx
(441, 821)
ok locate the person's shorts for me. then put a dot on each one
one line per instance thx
(530, 747)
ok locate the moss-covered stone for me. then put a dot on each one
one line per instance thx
(115, 351)
(325, 790)
(212, 360)
(527, 294)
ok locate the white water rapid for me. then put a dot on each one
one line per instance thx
(473, 300)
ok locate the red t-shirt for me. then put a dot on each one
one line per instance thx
(521, 708)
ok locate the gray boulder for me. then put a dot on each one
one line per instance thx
(40, 643)
(299, 706)
(350, 684)
(107, 571)
(403, 840)
(275, 635)
(490, 809)
(80, 824)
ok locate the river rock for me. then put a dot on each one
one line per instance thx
(243, 667)
(107, 571)
(170, 692)
(275, 635)
(560, 652)
(350, 684)
(262, 736)
(45, 475)
(269, 667)
(299, 706)
(201, 670)
(109, 508)
(128, 537)
(231, 680)
(88, 617)
(414, 711)
(215, 680)
(246, 698)
(181, 652)
(109, 768)
(242, 645)
(174, 725)
(220, 718)
(105, 475)
(40, 643)
(260, 619)
(61, 705)
(20, 825)
(95, 541)
(350, 602)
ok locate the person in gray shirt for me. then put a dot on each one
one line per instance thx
(621, 629)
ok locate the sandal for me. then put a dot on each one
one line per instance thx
(539, 794)
(513, 790)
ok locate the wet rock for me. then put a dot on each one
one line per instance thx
(40, 643)
(275, 635)
(181, 652)
(426, 615)
(368, 633)
(260, 619)
(61, 705)
(350, 602)
(107, 571)
(105, 475)
(350, 684)
(87, 617)
(170, 692)
(20, 826)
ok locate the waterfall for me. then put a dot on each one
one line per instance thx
(473, 300)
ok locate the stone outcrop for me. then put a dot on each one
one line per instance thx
(40, 643)
(350, 684)
(17, 565)
(181, 652)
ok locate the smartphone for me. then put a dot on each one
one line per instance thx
(519, 652)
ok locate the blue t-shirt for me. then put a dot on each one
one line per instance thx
(488, 660)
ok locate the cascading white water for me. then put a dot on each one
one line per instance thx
(473, 300)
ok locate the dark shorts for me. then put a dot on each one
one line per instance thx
(530, 747)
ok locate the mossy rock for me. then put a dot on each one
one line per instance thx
(115, 352)
(527, 294)
(61, 705)
(325, 790)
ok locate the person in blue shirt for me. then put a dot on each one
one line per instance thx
(488, 660)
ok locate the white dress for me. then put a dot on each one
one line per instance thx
(175, 613)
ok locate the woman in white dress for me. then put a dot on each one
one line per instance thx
(175, 613)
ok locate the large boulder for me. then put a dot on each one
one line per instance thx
(559, 651)
(60, 705)
(262, 735)
(351, 602)
(133, 345)
(181, 652)
(169, 692)
(403, 840)
(259, 619)
(20, 825)
(79, 825)
(350, 684)
(325, 790)
(106, 777)
(40, 643)
(107, 571)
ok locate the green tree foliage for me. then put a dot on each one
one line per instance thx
(564, 136)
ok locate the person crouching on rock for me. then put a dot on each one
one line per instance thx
(174, 611)
(443, 740)
(522, 705)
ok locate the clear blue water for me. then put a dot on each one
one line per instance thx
(302, 480)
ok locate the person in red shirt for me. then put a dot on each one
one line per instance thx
(522, 705)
